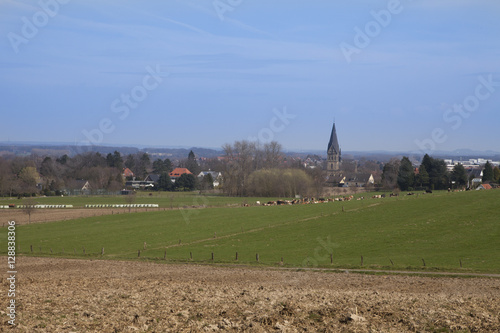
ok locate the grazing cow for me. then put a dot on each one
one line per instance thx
(428, 191)
(258, 203)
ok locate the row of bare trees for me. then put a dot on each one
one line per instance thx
(250, 168)
(25, 176)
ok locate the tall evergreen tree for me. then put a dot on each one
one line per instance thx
(165, 183)
(159, 167)
(406, 176)
(114, 160)
(438, 173)
(488, 172)
(168, 165)
(496, 174)
(192, 164)
(459, 175)
(422, 178)
(390, 174)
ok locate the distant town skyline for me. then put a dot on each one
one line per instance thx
(393, 75)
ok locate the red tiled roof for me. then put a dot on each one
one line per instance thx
(128, 173)
(177, 172)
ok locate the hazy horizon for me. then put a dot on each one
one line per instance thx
(393, 75)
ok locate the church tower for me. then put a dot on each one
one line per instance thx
(333, 152)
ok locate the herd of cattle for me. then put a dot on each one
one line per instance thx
(323, 200)
(303, 201)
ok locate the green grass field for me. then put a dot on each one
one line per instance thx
(441, 228)
(164, 199)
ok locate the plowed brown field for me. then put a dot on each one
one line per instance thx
(64, 295)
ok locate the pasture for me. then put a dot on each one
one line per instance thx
(164, 199)
(443, 231)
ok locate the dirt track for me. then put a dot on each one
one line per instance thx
(107, 296)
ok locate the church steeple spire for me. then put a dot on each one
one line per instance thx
(334, 142)
(334, 153)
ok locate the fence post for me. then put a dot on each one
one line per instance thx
(236, 256)
(331, 258)
(212, 256)
(361, 260)
(460, 263)
(257, 257)
(138, 253)
(191, 255)
(423, 261)
(31, 248)
(102, 251)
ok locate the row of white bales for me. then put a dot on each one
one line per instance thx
(86, 206)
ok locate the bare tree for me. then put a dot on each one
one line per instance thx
(240, 162)
(29, 207)
(272, 154)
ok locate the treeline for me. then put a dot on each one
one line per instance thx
(262, 170)
(247, 169)
(27, 176)
(432, 174)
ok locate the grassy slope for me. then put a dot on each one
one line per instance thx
(441, 228)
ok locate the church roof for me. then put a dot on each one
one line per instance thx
(333, 140)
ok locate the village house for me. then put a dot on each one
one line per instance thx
(78, 187)
(177, 172)
(484, 187)
(216, 176)
(127, 173)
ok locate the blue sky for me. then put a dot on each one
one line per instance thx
(204, 73)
